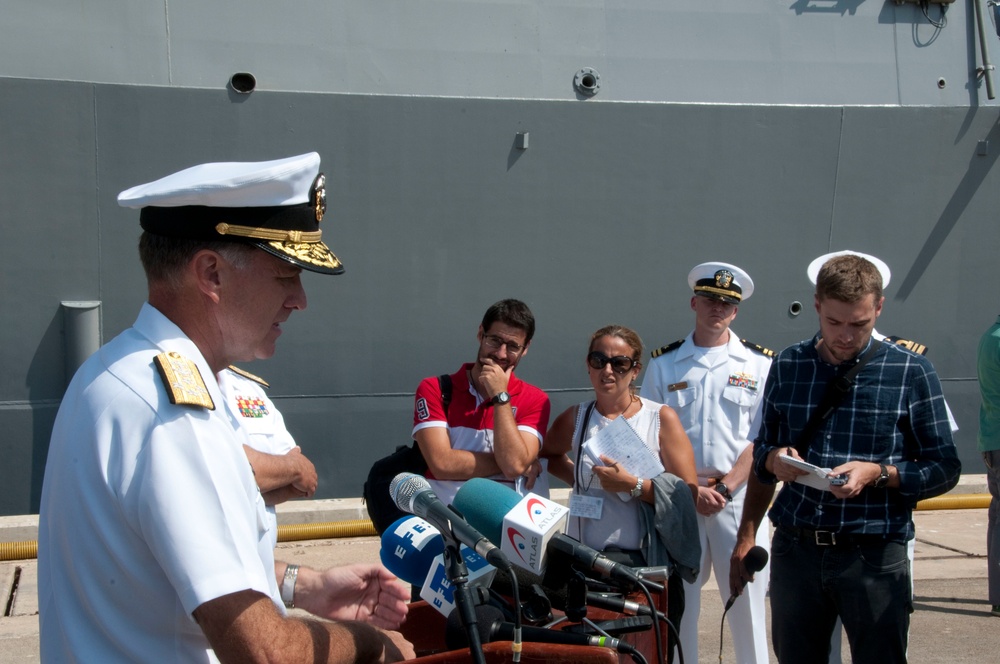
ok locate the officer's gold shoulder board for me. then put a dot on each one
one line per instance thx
(248, 375)
(666, 349)
(183, 381)
(757, 347)
(909, 345)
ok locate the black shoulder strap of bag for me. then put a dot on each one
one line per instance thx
(838, 388)
(579, 446)
(444, 382)
(578, 469)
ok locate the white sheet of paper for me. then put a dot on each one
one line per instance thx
(817, 477)
(620, 442)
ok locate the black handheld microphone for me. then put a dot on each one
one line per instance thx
(595, 560)
(754, 561)
(491, 626)
(619, 604)
(412, 493)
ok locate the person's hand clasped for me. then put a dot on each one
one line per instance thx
(307, 478)
(710, 501)
(531, 475)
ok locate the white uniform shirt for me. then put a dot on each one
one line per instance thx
(148, 510)
(248, 403)
(717, 393)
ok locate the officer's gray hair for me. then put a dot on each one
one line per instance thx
(163, 258)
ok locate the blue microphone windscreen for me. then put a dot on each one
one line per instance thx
(409, 546)
(484, 503)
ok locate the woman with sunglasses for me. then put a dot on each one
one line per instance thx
(598, 516)
(605, 520)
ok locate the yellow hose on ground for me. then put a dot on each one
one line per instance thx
(328, 530)
(18, 550)
(364, 528)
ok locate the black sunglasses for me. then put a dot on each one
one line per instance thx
(620, 364)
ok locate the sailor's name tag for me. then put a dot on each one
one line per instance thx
(585, 507)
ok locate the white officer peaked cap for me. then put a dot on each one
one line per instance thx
(820, 261)
(274, 205)
(721, 281)
(230, 184)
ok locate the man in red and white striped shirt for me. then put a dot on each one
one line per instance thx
(494, 424)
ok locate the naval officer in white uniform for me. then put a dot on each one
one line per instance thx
(715, 380)
(152, 530)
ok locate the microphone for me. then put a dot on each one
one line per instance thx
(754, 561)
(412, 493)
(594, 560)
(413, 550)
(491, 627)
(619, 605)
(438, 589)
(495, 509)
(409, 547)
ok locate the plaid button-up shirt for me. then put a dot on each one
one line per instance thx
(895, 414)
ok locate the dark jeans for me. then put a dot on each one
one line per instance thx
(867, 586)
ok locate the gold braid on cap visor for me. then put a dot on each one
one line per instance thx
(718, 291)
(269, 234)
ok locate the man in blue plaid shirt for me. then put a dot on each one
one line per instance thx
(840, 549)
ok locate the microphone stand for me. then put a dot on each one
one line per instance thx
(458, 576)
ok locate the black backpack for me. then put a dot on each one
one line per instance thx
(406, 459)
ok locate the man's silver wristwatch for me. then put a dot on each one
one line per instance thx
(500, 399)
(637, 489)
(288, 586)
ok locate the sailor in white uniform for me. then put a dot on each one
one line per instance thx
(715, 381)
(280, 468)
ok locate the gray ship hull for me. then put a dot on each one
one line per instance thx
(436, 211)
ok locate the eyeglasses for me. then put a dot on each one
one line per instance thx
(620, 364)
(494, 342)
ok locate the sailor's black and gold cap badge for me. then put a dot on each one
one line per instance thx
(721, 281)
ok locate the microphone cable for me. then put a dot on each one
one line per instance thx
(516, 645)
(658, 617)
(722, 623)
(637, 656)
(660, 653)
(722, 630)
